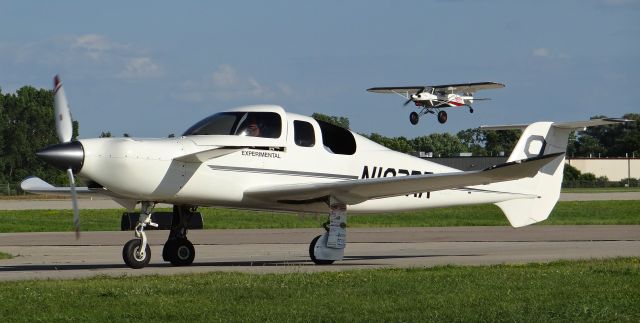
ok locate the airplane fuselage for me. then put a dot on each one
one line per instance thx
(155, 169)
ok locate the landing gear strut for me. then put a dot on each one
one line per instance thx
(329, 247)
(136, 252)
(178, 250)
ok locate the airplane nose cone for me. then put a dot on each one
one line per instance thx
(64, 156)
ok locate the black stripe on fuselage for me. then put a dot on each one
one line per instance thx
(280, 172)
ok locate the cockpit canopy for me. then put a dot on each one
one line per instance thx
(241, 123)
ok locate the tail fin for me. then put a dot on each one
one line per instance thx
(539, 139)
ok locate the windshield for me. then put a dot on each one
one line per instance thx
(255, 124)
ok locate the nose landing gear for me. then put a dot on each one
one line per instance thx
(178, 250)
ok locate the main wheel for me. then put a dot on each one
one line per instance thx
(470, 110)
(414, 118)
(442, 116)
(180, 252)
(316, 261)
(133, 257)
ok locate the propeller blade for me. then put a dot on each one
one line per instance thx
(64, 126)
(74, 201)
(407, 102)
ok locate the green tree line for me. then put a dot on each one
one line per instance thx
(26, 126)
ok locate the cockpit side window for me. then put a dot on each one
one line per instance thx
(303, 134)
(338, 140)
(256, 124)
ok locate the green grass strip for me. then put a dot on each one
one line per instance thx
(579, 291)
(565, 213)
(5, 255)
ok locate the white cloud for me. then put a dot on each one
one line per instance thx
(225, 76)
(86, 53)
(141, 67)
(225, 84)
(541, 52)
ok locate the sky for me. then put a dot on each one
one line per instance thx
(152, 68)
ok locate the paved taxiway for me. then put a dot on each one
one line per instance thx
(59, 255)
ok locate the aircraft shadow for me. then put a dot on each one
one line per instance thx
(258, 263)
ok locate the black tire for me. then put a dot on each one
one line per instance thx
(470, 110)
(316, 261)
(414, 118)
(130, 256)
(442, 116)
(166, 249)
(180, 252)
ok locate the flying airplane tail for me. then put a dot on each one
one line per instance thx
(543, 190)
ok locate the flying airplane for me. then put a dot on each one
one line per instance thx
(433, 98)
(263, 158)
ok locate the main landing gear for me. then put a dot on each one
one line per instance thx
(329, 247)
(178, 250)
(414, 117)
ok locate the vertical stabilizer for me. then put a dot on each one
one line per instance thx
(539, 139)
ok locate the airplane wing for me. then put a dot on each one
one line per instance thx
(359, 190)
(466, 87)
(398, 89)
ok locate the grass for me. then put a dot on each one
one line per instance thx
(565, 213)
(579, 291)
(5, 255)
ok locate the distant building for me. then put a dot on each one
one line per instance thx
(615, 169)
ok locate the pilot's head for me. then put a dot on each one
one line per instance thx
(252, 128)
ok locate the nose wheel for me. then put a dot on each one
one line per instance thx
(133, 254)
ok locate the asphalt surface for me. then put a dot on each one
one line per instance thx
(60, 256)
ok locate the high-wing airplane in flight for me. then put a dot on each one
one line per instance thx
(263, 158)
(434, 98)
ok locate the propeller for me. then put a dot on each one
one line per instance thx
(412, 97)
(64, 129)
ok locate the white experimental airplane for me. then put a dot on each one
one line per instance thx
(263, 158)
(433, 98)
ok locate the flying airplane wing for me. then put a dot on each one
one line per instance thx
(359, 190)
(398, 89)
(466, 87)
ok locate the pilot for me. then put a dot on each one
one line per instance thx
(251, 128)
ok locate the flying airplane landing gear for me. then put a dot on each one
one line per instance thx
(329, 247)
(442, 116)
(136, 252)
(178, 250)
(470, 110)
(414, 118)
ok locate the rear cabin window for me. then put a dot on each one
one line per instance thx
(338, 140)
(303, 134)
